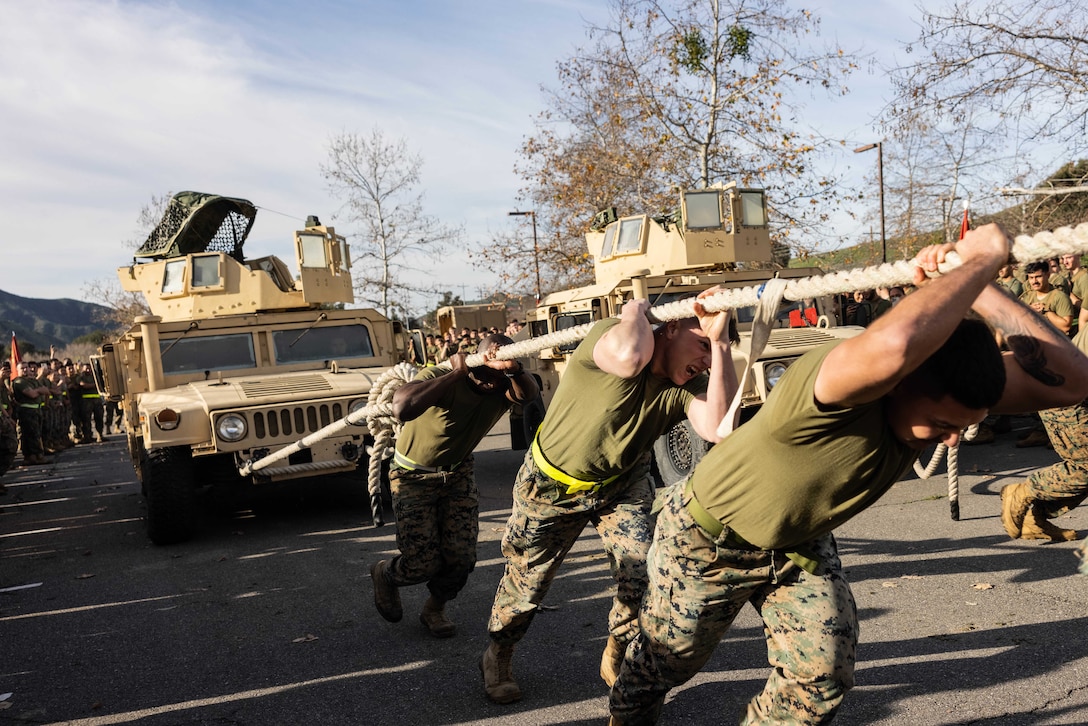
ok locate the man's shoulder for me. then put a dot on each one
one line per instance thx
(1058, 295)
(599, 328)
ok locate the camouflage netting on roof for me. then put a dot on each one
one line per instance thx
(196, 222)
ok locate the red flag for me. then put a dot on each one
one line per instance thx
(966, 224)
(15, 357)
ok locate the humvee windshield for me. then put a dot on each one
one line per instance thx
(321, 344)
(234, 351)
(209, 353)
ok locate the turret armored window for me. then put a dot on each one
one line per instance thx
(313, 250)
(630, 236)
(609, 239)
(206, 271)
(173, 278)
(702, 209)
(753, 213)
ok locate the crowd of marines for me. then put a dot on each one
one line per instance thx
(47, 406)
(755, 521)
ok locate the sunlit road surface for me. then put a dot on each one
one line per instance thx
(266, 618)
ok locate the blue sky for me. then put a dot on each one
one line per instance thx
(106, 103)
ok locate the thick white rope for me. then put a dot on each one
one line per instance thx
(935, 459)
(385, 428)
(1025, 248)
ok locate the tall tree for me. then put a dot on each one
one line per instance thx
(376, 180)
(1024, 63)
(931, 167)
(683, 93)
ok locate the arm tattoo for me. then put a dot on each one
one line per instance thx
(1029, 354)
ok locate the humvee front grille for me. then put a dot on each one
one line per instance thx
(799, 338)
(286, 385)
(295, 420)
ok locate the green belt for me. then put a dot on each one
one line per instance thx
(30, 405)
(573, 485)
(713, 527)
(91, 395)
(405, 463)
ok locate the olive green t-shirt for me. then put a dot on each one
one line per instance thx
(1078, 284)
(1060, 281)
(795, 471)
(1081, 341)
(1055, 300)
(446, 433)
(19, 387)
(1013, 285)
(598, 425)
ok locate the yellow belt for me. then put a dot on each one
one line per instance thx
(573, 485)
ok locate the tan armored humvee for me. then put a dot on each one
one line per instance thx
(239, 358)
(476, 317)
(717, 236)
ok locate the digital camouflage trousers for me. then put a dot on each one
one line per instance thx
(545, 523)
(30, 430)
(438, 523)
(9, 441)
(1061, 487)
(697, 587)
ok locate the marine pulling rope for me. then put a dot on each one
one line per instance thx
(383, 425)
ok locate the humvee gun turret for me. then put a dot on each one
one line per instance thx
(475, 317)
(717, 236)
(239, 359)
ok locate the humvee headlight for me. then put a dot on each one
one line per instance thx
(358, 405)
(774, 371)
(231, 427)
(167, 419)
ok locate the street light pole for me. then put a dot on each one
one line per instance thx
(536, 247)
(879, 146)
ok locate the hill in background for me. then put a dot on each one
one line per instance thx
(39, 323)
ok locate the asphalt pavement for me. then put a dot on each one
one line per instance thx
(266, 617)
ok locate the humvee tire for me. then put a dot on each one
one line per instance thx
(171, 495)
(677, 451)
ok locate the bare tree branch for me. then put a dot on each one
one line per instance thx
(376, 180)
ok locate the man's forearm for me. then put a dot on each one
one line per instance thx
(719, 393)
(1047, 370)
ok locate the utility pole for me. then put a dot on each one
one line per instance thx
(536, 247)
(879, 146)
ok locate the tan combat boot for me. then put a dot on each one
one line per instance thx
(434, 617)
(1037, 526)
(1015, 503)
(386, 596)
(499, 683)
(611, 660)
